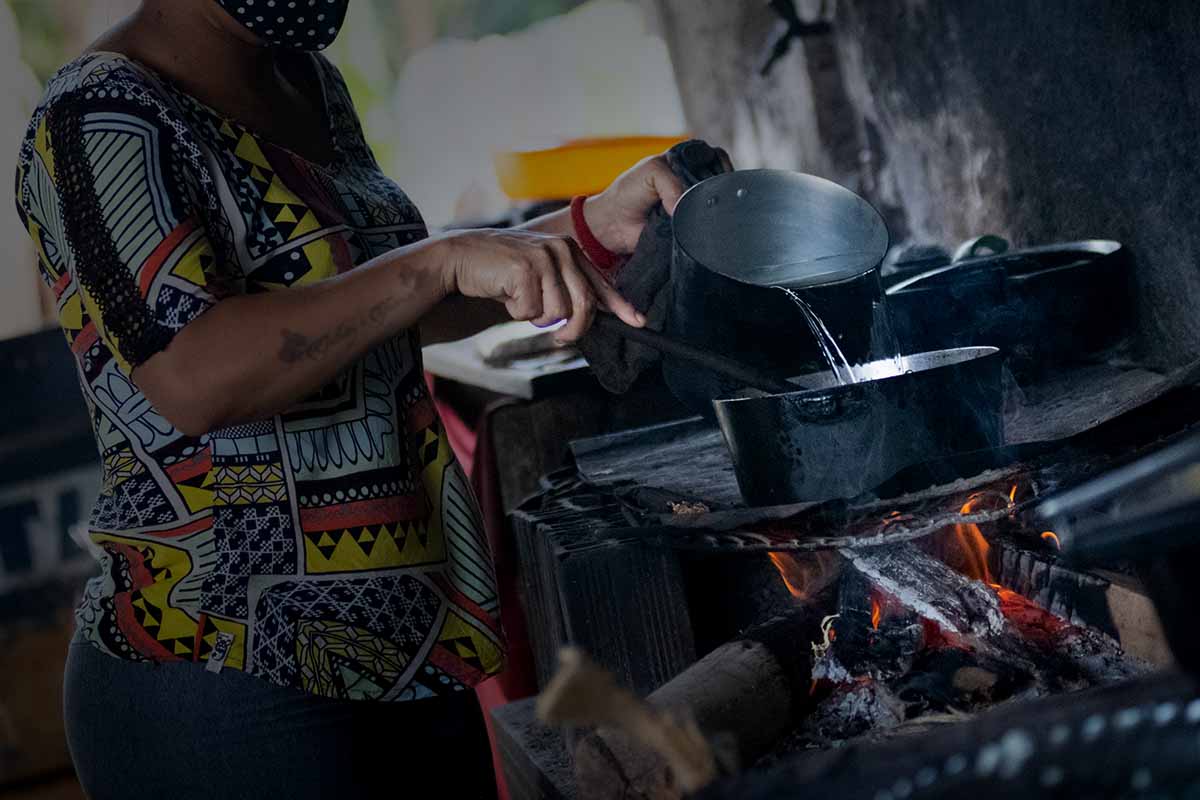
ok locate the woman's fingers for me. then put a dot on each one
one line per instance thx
(604, 295)
(579, 290)
(585, 306)
(557, 301)
(666, 184)
(550, 279)
(612, 300)
(522, 290)
(609, 298)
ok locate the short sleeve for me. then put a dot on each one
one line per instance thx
(126, 232)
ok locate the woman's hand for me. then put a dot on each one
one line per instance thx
(618, 215)
(539, 277)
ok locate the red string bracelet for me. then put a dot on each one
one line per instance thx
(605, 260)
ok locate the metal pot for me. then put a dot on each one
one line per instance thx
(1041, 306)
(739, 236)
(837, 441)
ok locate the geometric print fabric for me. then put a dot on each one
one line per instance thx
(338, 546)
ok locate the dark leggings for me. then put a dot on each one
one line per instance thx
(177, 731)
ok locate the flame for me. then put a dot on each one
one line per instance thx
(876, 613)
(1012, 496)
(804, 578)
(1052, 537)
(973, 547)
(788, 570)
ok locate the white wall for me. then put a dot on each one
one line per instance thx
(596, 71)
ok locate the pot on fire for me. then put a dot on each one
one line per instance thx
(834, 440)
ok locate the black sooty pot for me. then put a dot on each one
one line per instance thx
(833, 441)
(742, 237)
(1042, 306)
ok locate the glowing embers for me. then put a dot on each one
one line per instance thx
(924, 630)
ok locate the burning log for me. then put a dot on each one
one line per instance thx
(1110, 602)
(917, 581)
(998, 625)
(745, 694)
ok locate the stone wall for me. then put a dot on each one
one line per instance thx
(1037, 121)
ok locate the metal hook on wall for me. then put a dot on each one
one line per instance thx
(792, 27)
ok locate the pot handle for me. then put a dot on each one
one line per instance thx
(736, 371)
(973, 248)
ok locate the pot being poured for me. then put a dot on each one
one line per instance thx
(740, 238)
(833, 440)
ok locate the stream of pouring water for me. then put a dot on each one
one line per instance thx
(883, 338)
(838, 364)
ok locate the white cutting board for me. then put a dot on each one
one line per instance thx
(463, 361)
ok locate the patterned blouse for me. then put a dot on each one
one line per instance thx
(335, 548)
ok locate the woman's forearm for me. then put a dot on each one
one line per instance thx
(556, 222)
(254, 356)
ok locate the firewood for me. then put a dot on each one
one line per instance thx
(743, 695)
(1003, 631)
(583, 694)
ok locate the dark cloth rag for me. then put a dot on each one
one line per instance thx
(645, 280)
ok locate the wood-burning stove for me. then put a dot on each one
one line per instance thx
(939, 602)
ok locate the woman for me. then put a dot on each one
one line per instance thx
(296, 596)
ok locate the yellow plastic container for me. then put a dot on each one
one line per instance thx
(581, 166)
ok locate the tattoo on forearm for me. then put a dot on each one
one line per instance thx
(299, 347)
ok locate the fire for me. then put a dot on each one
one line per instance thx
(1034, 622)
(1012, 496)
(972, 546)
(804, 578)
(788, 570)
(1052, 537)
(876, 613)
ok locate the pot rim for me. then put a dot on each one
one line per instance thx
(1101, 249)
(690, 198)
(965, 355)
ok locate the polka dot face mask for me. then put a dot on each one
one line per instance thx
(290, 24)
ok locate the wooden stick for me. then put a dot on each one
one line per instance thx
(743, 695)
(582, 694)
